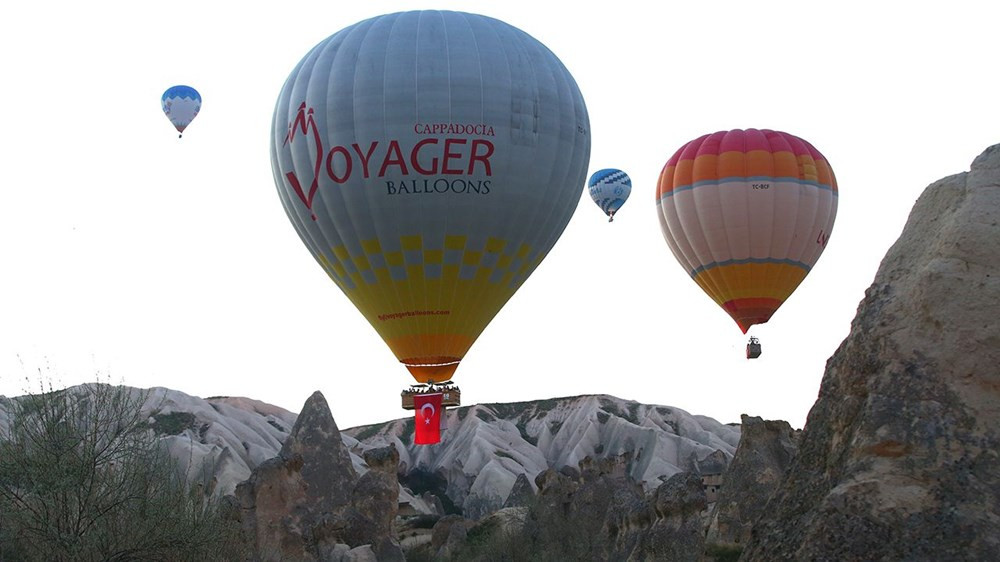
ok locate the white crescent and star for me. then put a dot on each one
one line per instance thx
(427, 417)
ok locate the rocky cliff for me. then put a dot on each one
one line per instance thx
(899, 455)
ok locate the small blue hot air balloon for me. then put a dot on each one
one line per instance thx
(181, 105)
(610, 188)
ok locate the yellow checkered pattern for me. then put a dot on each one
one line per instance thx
(412, 262)
(430, 298)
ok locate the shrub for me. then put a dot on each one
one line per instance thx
(83, 477)
(369, 431)
(723, 552)
(173, 423)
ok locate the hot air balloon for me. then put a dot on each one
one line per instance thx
(610, 188)
(181, 105)
(429, 160)
(747, 213)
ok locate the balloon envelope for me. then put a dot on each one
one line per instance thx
(429, 160)
(747, 214)
(609, 188)
(181, 105)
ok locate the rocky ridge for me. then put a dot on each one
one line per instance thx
(488, 446)
(484, 451)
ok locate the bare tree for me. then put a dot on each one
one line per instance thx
(82, 477)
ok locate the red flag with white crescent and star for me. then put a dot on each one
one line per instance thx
(427, 408)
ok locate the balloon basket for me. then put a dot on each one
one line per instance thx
(450, 394)
(753, 348)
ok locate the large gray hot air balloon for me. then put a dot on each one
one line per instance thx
(429, 160)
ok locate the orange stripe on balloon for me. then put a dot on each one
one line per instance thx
(750, 282)
(704, 168)
(665, 183)
(411, 350)
(432, 369)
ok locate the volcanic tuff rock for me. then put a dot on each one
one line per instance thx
(671, 525)
(484, 451)
(899, 456)
(521, 493)
(303, 503)
(765, 452)
(600, 513)
(448, 535)
(487, 446)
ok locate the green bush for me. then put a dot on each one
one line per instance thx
(723, 552)
(409, 427)
(369, 431)
(550, 534)
(173, 423)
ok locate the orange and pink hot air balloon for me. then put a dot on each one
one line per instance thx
(747, 213)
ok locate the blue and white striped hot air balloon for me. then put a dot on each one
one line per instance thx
(181, 105)
(610, 188)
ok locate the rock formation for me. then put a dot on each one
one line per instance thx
(449, 536)
(765, 452)
(309, 499)
(225, 437)
(593, 512)
(899, 455)
(490, 456)
(598, 512)
(666, 525)
(487, 447)
(521, 494)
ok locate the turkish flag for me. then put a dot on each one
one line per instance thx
(427, 408)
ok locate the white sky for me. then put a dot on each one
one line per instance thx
(154, 261)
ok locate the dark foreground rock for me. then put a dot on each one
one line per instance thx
(309, 503)
(899, 455)
(765, 452)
